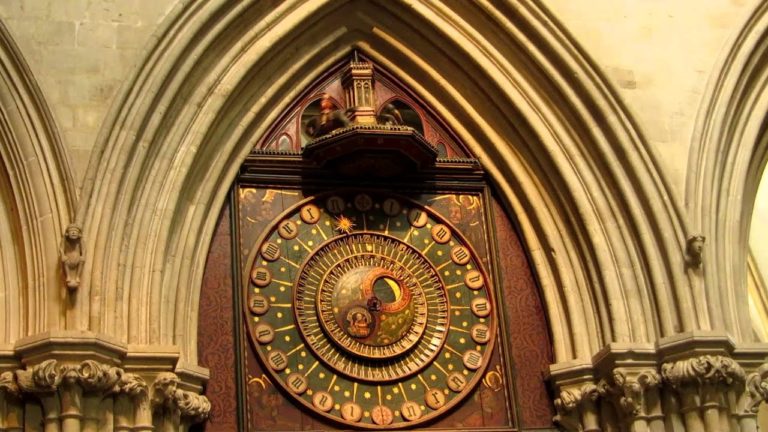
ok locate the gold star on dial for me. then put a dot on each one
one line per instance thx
(344, 225)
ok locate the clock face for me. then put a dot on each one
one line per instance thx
(369, 309)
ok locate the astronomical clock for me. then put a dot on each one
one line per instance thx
(368, 270)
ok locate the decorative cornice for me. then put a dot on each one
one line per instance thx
(707, 369)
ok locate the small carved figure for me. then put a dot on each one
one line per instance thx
(693, 250)
(390, 116)
(72, 256)
(328, 121)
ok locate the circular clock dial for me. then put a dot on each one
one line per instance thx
(369, 309)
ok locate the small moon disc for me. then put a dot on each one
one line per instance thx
(351, 411)
(270, 251)
(277, 360)
(441, 234)
(264, 333)
(417, 217)
(391, 207)
(261, 277)
(335, 204)
(322, 401)
(288, 229)
(472, 359)
(456, 381)
(473, 279)
(310, 214)
(480, 306)
(434, 398)
(258, 304)
(363, 202)
(460, 255)
(480, 333)
(410, 410)
(297, 383)
(381, 415)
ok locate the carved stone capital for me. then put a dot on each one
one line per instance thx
(165, 395)
(8, 385)
(132, 385)
(97, 377)
(710, 370)
(41, 378)
(572, 403)
(627, 389)
(757, 388)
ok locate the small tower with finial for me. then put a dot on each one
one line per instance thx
(358, 91)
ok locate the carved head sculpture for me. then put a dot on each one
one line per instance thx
(693, 249)
(73, 232)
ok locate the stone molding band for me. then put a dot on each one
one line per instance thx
(698, 393)
(77, 397)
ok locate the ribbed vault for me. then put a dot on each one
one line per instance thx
(603, 234)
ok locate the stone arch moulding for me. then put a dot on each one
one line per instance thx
(728, 154)
(601, 229)
(38, 200)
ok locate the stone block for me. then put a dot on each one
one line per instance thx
(96, 34)
(130, 36)
(69, 10)
(54, 33)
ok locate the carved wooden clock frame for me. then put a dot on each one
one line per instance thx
(368, 268)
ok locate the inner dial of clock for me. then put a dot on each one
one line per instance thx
(369, 293)
(370, 310)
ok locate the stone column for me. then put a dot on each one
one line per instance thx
(635, 397)
(132, 408)
(97, 381)
(42, 381)
(11, 405)
(173, 407)
(577, 408)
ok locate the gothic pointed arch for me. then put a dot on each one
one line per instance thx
(727, 156)
(602, 231)
(37, 201)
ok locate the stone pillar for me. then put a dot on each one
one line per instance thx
(173, 407)
(577, 408)
(634, 393)
(42, 381)
(132, 407)
(97, 381)
(11, 405)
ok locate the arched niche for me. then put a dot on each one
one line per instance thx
(273, 182)
(603, 234)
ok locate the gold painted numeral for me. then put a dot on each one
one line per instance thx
(270, 251)
(288, 229)
(441, 234)
(261, 277)
(310, 214)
